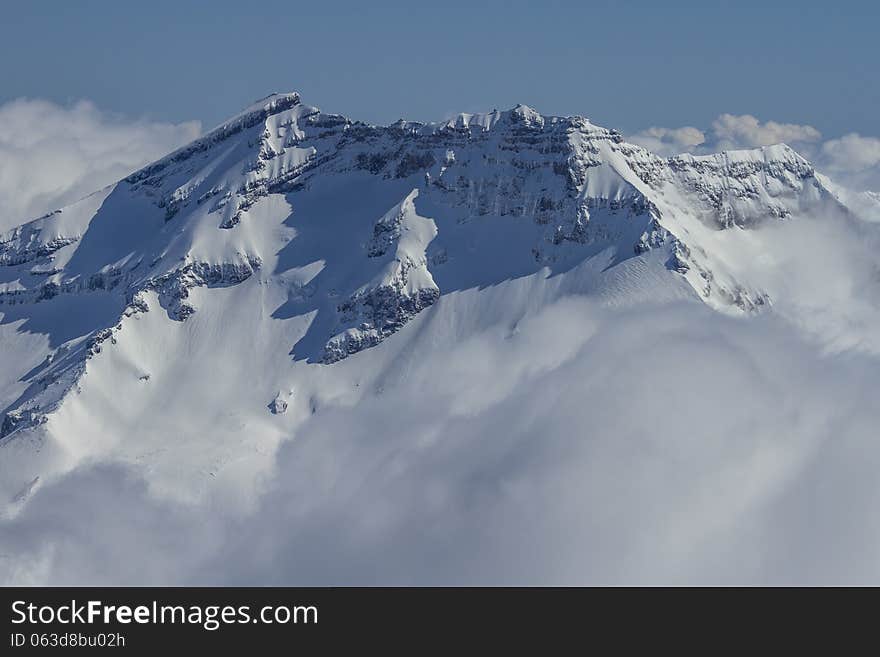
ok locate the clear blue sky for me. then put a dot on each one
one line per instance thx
(623, 64)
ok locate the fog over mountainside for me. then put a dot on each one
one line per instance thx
(504, 348)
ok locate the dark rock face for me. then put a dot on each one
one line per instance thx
(382, 311)
(174, 287)
(278, 406)
(15, 419)
(22, 246)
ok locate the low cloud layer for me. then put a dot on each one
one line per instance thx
(661, 444)
(52, 155)
(852, 160)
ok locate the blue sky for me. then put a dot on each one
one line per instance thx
(624, 64)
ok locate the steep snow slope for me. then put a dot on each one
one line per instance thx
(191, 317)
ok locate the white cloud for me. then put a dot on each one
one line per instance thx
(853, 160)
(728, 132)
(852, 152)
(669, 141)
(52, 155)
(745, 131)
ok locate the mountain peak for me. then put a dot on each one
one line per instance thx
(270, 103)
(527, 115)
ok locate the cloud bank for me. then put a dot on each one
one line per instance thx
(669, 141)
(52, 155)
(660, 444)
(733, 131)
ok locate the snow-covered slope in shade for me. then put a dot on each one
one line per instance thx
(191, 317)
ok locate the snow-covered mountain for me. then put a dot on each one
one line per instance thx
(346, 232)
(192, 317)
